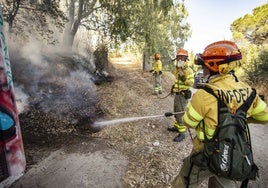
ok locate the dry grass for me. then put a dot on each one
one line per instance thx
(154, 158)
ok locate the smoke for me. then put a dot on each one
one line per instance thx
(32, 51)
(21, 99)
(54, 82)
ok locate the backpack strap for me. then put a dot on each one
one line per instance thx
(221, 103)
(249, 101)
(209, 90)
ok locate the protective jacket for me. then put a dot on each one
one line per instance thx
(157, 71)
(203, 106)
(157, 66)
(184, 78)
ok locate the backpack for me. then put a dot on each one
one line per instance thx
(229, 154)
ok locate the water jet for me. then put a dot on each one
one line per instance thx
(99, 125)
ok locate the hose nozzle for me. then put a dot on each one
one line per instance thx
(168, 114)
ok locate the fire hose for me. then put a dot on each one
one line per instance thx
(164, 96)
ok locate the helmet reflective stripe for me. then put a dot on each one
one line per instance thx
(219, 53)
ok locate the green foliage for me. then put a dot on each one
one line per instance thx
(252, 27)
(162, 31)
(259, 66)
(250, 32)
(29, 17)
(152, 25)
(157, 25)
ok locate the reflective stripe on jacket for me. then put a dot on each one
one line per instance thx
(183, 84)
(203, 106)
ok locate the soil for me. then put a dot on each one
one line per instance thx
(138, 153)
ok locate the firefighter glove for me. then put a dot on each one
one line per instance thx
(183, 78)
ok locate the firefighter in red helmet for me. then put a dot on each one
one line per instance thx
(218, 60)
(184, 81)
(157, 72)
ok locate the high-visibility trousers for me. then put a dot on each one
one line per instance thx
(158, 84)
(180, 104)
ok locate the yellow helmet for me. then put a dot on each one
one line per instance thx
(157, 56)
(218, 53)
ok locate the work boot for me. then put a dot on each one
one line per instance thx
(180, 137)
(172, 129)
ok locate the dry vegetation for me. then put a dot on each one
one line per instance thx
(154, 159)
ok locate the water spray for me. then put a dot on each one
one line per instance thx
(97, 126)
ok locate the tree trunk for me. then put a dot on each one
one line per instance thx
(101, 58)
(73, 24)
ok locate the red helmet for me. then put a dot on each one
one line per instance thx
(157, 56)
(218, 53)
(182, 52)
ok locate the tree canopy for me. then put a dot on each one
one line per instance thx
(158, 25)
(154, 25)
(251, 31)
(28, 17)
(252, 27)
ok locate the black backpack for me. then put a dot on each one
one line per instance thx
(229, 154)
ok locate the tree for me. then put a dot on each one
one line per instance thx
(163, 30)
(250, 31)
(78, 11)
(153, 25)
(117, 20)
(27, 17)
(252, 27)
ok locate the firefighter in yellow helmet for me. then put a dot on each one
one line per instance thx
(157, 72)
(218, 61)
(184, 81)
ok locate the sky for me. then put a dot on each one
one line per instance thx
(210, 20)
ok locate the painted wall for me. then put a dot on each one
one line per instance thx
(12, 157)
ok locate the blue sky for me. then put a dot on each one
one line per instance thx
(211, 19)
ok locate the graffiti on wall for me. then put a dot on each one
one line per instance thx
(12, 157)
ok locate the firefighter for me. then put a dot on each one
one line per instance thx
(157, 72)
(218, 61)
(184, 80)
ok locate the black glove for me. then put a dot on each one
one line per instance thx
(160, 72)
(187, 94)
(183, 78)
(151, 70)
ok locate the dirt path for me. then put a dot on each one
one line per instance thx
(131, 154)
